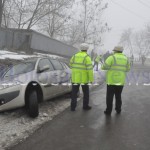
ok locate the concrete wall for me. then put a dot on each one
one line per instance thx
(31, 41)
(14, 39)
(45, 44)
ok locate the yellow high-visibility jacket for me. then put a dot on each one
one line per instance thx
(82, 68)
(117, 65)
(98, 58)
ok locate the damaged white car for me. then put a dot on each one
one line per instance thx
(33, 81)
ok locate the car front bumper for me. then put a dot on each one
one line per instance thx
(11, 97)
(7, 97)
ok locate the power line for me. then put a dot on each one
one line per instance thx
(148, 6)
(128, 10)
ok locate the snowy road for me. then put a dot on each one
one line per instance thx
(93, 130)
(16, 125)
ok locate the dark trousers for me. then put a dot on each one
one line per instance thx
(75, 90)
(111, 91)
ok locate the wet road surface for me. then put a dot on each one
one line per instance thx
(92, 130)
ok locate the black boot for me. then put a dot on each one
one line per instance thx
(87, 108)
(107, 113)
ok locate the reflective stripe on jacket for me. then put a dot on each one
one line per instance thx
(117, 66)
(82, 69)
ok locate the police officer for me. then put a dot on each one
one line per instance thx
(82, 74)
(97, 60)
(117, 65)
(143, 59)
(131, 60)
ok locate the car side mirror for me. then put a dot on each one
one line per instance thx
(45, 68)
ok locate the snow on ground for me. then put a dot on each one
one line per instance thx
(16, 125)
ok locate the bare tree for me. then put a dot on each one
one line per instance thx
(147, 39)
(27, 14)
(137, 41)
(58, 20)
(2, 2)
(1, 11)
(126, 40)
(24, 14)
(54, 23)
(87, 25)
(92, 24)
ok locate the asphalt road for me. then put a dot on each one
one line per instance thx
(92, 130)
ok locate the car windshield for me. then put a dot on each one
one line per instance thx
(20, 68)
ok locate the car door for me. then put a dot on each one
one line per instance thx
(67, 76)
(46, 72)
(61, 75)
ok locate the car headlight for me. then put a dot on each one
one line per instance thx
(9, 84)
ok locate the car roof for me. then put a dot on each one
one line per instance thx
(34, 59)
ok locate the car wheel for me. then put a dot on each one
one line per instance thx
(33, 107)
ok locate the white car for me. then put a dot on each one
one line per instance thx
(32, 81)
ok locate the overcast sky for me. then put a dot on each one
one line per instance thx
(123, 14)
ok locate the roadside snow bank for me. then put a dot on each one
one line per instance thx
(16, 126)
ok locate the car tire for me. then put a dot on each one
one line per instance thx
(33, 108)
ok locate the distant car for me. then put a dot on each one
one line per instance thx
(33, 81)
